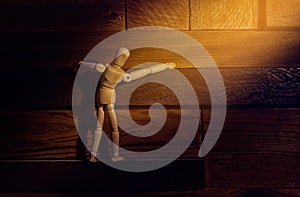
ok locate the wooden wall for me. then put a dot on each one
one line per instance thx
(255, 44)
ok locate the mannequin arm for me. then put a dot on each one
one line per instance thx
(128, 77)
(97, 66)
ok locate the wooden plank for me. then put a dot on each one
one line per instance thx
(77, 176)
(52, 50)
(283, 14)
(58, 51)
(221, 192)
(266, 129)
(257, 147)
(48, 49)
(51, 134)
(39, 128)
(244, 86)
(173, 14)
(38, 134)
(252, 170)
(62, 15)
(223, 14)
(234, 49)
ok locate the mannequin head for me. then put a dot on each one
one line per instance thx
(121, 57)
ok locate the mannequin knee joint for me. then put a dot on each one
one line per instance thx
(110, 107)
(98, 130)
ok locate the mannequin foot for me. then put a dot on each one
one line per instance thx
(93, 159)
(117, 158)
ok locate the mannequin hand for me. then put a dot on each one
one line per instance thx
(171, 65)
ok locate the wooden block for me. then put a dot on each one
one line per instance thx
(173, 14)
(65, 15)
(76, 176)
(283, 14)
(223, 14)
(222, 192)
(257, 147)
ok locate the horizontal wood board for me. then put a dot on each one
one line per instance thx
(51, 134)
(76, 176)
(37, 89)
(252, 142)
(257, 148)
(62, 15)
(210, 192)
(52, 50)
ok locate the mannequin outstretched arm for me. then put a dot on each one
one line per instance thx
(97, 66)
(128, 77)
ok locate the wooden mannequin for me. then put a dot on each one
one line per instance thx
(106, 96)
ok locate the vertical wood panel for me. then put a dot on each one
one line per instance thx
(173, 14)
(62, 15)
(283, 13)
(223, 14)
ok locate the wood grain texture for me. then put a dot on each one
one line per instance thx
(37, 65)
(257, 147)
(253, 86)
(77, 176)
(44, 134)
(50, 50)
(62, 15)
(252, 170)
(209, 192)
(36, 50)
(173, 14)
(235, 49)
(223, 14)
(244, 86)
(51, 133)
(283, 14)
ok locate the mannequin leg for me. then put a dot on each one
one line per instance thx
(97, 134)
(115, 133)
